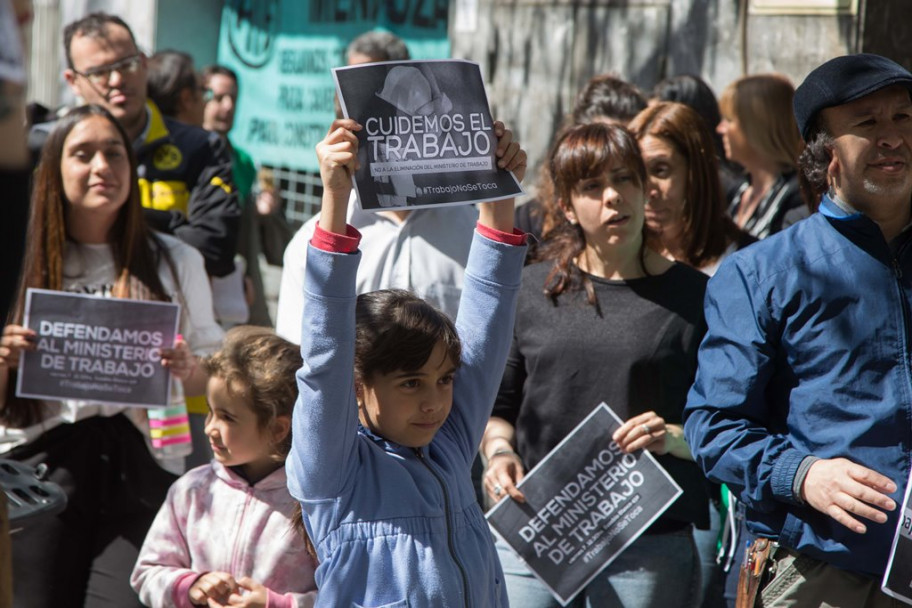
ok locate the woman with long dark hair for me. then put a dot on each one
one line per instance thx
(688, 222)
(685, 207)
(693, 91)
(87, 235)
(603, 318)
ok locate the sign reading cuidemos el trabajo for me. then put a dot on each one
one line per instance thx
(427, 136)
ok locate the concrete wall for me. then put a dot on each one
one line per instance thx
(186, 25)
(45, 40)
(536, 54)
(886, 28)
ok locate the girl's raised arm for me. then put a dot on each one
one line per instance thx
(325, 418)
(338, 158)
(499, 214)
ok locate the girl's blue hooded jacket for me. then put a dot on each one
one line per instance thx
(397, 526)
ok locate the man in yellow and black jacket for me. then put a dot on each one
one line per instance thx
(186, 187)
(184, 171)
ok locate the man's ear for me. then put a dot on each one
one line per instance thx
(70, 76)
(833, 171)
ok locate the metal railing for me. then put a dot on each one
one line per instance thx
(300, 192)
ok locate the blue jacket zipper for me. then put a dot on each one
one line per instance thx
(446, 508)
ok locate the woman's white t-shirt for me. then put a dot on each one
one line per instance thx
(90, 270)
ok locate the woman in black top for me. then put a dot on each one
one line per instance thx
(618, 323)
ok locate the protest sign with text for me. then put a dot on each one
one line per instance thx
(427, 137)
(97, 349)
(586, 502)
(897, 580)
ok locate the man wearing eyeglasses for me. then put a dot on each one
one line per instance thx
(184, 171)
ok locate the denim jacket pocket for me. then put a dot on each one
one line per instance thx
(791, 530)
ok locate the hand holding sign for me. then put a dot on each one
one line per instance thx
(338, 157)
(338, 154)
(499, 214)
(179, 359)
(15, 340)
(505, 470)
(508, 153)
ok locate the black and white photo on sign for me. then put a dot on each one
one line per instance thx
(105, 350)
(586, 502)
(897, 580)
(427, 136)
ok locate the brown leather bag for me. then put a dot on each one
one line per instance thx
(753, 571)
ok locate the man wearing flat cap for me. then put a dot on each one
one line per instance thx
(802, 402)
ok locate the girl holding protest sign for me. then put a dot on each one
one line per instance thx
(224, 533)
(87, 235)
(603, 318)
(393, 401)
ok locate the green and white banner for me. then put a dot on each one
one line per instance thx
(283, 51)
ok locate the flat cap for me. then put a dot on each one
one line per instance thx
(842, 80)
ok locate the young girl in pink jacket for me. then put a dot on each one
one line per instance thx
(224, 533)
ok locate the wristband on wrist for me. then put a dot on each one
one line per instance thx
(503, 452)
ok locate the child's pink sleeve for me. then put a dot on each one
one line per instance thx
(517, 237)
(336, 243)
(165, 558)
(290, 600)
(181, 595)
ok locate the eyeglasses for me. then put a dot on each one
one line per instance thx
(208, 94)
(101, 75)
